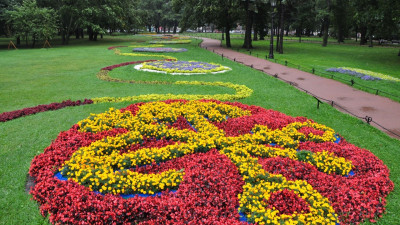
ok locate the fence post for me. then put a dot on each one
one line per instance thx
(368, 119)
(352, 82)
(313, 70)
(285, 62)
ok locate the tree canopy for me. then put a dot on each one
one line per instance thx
(365, 20)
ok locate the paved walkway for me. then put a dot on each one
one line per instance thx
(383, 111)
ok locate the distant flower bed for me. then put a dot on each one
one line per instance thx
(145, 46)
(147, 49)
(170, 42)
(182, 67)
(206, 161)
(362, 74)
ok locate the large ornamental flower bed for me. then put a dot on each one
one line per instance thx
(182, 67)
(206, 162)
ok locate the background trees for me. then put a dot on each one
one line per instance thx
(364, 20)
(30, 21)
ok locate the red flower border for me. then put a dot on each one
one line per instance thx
(6, 116)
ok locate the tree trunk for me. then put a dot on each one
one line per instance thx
(228, 37)
(326, 25)
(326, 32)
(82, 33)
(255, 35)
(18, 40)
(26, 40)
(249, 24)
(175, 27)
(363, 38)
(282, 24)
(33, 41)
(262, 34)
(277, 34)
(63, 37)
(77, 33)
(90, 33)
(222, 38)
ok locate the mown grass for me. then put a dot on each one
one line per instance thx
(307, 56)
(40, 76)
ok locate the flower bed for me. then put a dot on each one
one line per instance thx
(363, 74)
(6, 116)
(170, 41)
(206, 161)
(182, 67)
(145, 46)
(145, 49)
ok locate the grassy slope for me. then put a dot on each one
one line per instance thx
(42, 76)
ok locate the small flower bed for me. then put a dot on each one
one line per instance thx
(182, 67)
(170, 41)
(145, 46)
(118, 52)
(179, 162)
(145, 49)
(363, 74)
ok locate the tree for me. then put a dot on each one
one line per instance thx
(222, 13)
(6, 5)
(153, 12)
(341, 19)
(324, 10)
(30, 21)
(303, 16)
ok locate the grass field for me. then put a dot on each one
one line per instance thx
(311, 55)
(40, 76)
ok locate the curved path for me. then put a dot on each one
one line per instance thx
(385, 113)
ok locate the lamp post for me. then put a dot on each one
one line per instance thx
(271, 43)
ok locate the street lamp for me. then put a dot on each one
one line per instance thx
(271, 43)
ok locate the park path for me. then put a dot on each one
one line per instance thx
(385, 113)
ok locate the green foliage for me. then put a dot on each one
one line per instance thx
(28, 20)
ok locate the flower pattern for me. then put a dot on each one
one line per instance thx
(182, 67)
(150, 49)
(225, 161)
(363, 74)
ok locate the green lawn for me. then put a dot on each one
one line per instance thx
(40, 76)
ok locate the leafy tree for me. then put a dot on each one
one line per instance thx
(324, 9)
(28, 20)
(152, 13)
(341, 19)
(222, 13)
(303, 16)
